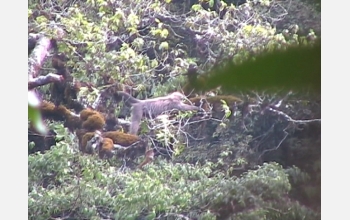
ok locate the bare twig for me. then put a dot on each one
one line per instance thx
(301, 121)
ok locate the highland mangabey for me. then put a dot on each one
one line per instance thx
(153, 107)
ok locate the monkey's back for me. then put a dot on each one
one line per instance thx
(153, 108)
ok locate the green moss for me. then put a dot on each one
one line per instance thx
(85, 138)
(93, 123)
(84, 114)
(121, 138)
(106, 149)
(72, 122)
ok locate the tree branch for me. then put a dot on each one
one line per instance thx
(36, 60)
(43, 80)
(38, 56)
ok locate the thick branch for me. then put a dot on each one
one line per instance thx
(38, 56)
(43, 80)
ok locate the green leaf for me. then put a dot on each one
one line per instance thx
(196, 7)
(164, 46)
(164, 33)
(295, 68)
(41, 20)
(211, 3)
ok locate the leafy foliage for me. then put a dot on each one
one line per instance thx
(63, 183)
(244, 163)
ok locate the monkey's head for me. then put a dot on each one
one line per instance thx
(177, 96)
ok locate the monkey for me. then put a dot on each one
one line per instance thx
(153, 107)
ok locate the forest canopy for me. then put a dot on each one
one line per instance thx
(251, 151)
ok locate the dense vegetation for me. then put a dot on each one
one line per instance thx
(255, 154)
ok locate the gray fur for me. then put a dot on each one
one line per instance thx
(154, 107)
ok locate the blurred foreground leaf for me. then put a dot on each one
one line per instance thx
(34, 115)
(296, 68)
